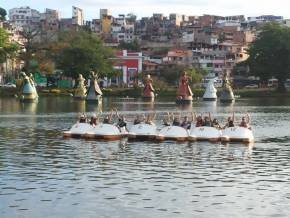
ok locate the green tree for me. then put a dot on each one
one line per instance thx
(131, 18)
(31, 46)
(196, 76)
(3, 14)
(130, 46)
(270, 54)
(7, 48)
(171, 73)
(80, 52)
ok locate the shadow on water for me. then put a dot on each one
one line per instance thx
(276, 140)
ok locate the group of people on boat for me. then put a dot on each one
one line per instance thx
(200, 121)
(170, 119)
(108, 119)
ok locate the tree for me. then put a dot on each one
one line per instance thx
(131, 18)
(30, 45)
(81, 52)
(130, 46)
(270, 54)
(196, 76)
(171, 73)
(7, 49)
(3, 14)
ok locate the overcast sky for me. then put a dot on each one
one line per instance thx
(147, 7)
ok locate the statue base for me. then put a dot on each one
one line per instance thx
(227, 96)
(148, 98)
(28, 97)
(209, 99)
(96, 99)
(186, 100)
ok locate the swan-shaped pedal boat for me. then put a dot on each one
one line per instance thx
(78, 130)
(204, 133)
(143, 131)
(100, 131)
(172, 133)
(237, 134)
(106, 132)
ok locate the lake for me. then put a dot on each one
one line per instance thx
(44, 175)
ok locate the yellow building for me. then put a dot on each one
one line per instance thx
(106, 24)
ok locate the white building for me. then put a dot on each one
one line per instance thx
(50, 20)
(265, 18)
(24, 16)
(77, 16)
(176, 19)
(286, 22)
(105, 13)
(187, 37)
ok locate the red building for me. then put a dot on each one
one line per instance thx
(130, 63)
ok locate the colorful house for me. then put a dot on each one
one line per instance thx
(130, 63)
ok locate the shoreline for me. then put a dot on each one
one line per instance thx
(136, 92)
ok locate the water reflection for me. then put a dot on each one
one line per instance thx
(29, 107)
(96, 107)
(43, 175)
(184, 107)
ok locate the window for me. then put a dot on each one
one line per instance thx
(132, 74)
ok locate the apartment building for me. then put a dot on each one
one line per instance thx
(24, 16)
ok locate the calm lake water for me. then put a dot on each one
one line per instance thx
(44, 175)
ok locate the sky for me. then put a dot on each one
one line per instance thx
(143, 8)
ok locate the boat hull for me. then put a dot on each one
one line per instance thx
(78, 130)
(176, 133)
(105, 132)
(237, 134)
(142, 131)
(204, 133)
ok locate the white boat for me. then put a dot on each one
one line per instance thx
(204, 133)
(142, 131)
(104, 131)
(78, 130)
(237, 134)
(172, 133)
(210, 92)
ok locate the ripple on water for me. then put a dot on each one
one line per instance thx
(142, 179)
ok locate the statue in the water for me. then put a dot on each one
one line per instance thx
(27, 90)
(227, 94)
(184, 93)
(80, 91)
(148, 91)
(210, 91)
(94, 92)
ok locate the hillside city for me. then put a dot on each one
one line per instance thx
(214, 44)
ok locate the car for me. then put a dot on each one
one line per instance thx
(41, 85)
(9, 85)
(251, 86)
